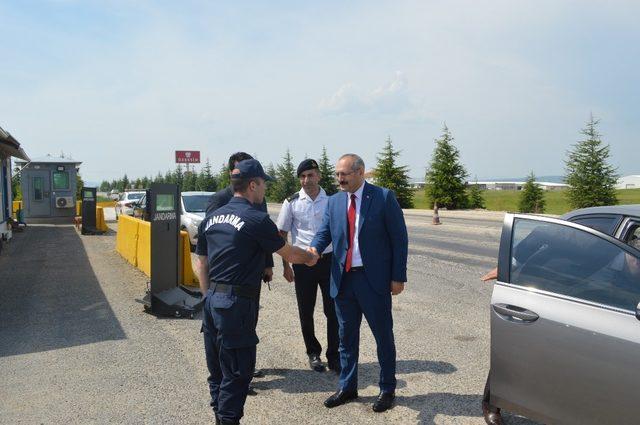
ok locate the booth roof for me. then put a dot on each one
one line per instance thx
(49, 159)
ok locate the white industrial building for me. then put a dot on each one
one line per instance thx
(508, 185)
(629, 182)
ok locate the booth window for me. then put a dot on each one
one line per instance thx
(38, 183)
(60, 180)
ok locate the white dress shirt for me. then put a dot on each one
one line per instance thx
(302, 217)
(356, 259)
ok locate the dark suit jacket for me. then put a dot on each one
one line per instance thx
(222, 198)
(382, 238)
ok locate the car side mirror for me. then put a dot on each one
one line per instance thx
(638, 311)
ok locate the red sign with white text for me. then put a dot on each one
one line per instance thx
(188, 157)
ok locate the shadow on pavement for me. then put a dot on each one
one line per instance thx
(51, 297)
(307, 381)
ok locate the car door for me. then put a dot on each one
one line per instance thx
(565, 340)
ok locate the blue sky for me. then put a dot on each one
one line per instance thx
(122, 85)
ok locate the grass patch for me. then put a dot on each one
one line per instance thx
(507, 200)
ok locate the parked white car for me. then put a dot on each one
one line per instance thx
(194, 207)
(126, 202)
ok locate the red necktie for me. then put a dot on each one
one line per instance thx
(351, 218)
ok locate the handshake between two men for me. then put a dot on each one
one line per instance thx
(396, 287)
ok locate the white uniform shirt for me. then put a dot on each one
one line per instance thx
(356, 259)
(302, 217)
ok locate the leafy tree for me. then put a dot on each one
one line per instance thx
(531, 197)
(159, 178)
(476, 200)
(145, 182)
(445, 179)
(590, 178)
(16, 188)
(286, 183)
(327, 173)
(79, 186)
(104, 186)
(392, 176)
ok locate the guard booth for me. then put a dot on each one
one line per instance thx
(49, 189)
(166, 297)
(89, 226)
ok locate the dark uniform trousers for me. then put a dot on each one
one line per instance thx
(229, 324)
(307, 280)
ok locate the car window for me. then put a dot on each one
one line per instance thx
(196, 203)
(633, 234)
(575, 263)
(134, 196)
(604, 224)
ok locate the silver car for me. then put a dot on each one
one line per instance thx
(194, 207)
(565, 317)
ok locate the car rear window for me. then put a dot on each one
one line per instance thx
(604, 224)
(135, 195)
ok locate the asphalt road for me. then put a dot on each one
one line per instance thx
(87, 353)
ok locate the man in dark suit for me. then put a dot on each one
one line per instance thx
(366, 227)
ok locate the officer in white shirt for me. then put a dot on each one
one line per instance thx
(301, 215)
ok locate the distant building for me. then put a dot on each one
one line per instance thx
(417, 183)
(49, 189)
(9, 147)
(497, 185)
(370, 176)
(629, 182)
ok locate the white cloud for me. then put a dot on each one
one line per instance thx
(391, 98)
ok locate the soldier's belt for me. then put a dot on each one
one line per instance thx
(239, 290)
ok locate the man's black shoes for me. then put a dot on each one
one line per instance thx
(339, 398)
(384, 401)
(258, 373)
(315, 363)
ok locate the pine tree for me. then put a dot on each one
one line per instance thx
(169, 177)
(590, 178)
(531, 197)
(327, 173)
(286, 183)
(271, 171)
(392, 176)
(445, 179)
(476, 200)
(205, 180)
(104, 186)
(189, 181)
(123, 184)
(178, 176)
(159, 178)
(223, 176)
